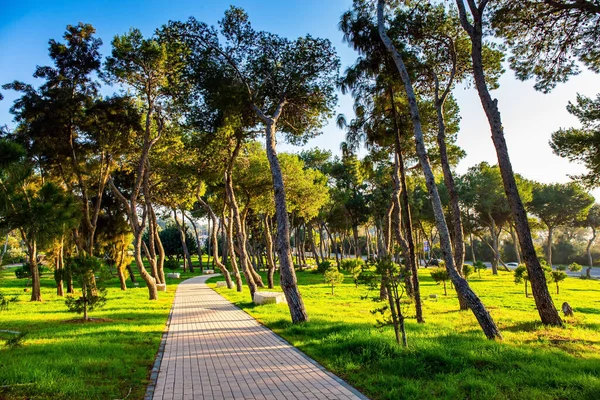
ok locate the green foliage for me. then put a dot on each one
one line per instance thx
(5, 301)
(574, 267)
(562, 268)
(354, 267)
(333, 277)
(324, 266)
(171, 263)
(25, 270)
(582, 145)
(479, 266)
(93, 292)
(439, 274)
(468, 270)
(556, 277)
(520, 274)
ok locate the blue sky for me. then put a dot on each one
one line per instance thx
(529, 117)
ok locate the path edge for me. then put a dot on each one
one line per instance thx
(149, 395)
(314, 362)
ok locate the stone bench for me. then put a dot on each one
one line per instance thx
(174, 275)
(209, 271)
(161, 287)
(269, 298)
(433, 296)
(221, 284)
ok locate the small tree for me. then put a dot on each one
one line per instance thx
(521, 276)
(83, 270)
(479, 265)
(574, 267)
(556, 277)
(440, 275)
(354, 267)
(468, 270)
(393, 278)
(333, 277)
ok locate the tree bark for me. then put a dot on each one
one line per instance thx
(481, 313)
(215, 248)
(181, 229)
(233, 261)
(269, 251)
(289, 283)
(548, 313)
(549, 246)
(588, 271)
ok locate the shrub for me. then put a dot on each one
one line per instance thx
(333, 277)
(171, 263)
(521, 276)
(354, 267)
(468, 270)
(479, 265)
(324, 266)
(440, 275)
(574, 267)
(561, 268)
(556, 277)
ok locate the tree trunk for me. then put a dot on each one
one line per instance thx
(313, 246)
(253, 280)
(5, 248)
(288, 280)
(198, 244)
(148, 279)
(269, 250)
(588, 271)
(233, 261)
(182, 236)
(549, 246)
(513, 235)
(548, 313)
(458, 242)
(215, 248)
(59, 266)
(481, 313)
(36, 294)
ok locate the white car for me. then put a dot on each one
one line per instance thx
(512, 264)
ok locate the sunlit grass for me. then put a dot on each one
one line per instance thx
(63, 359)
(448, 357)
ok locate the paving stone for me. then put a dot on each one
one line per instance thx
(214, 350)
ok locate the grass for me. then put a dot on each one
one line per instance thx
(448, 356)
(62, 358)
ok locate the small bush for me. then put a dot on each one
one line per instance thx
(171, 263)
(324, 266)
(574, 267)
(468, 270)
(440, 275)
(93, 295)
(354, 267)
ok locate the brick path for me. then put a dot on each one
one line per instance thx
(214, 350)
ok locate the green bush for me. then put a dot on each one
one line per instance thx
(440, 275)
(171, 263)
(354, 267)
(468, 270)
(323, 266)
(574, 267)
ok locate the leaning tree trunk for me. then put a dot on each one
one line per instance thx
(458, 242)
(269, 250)
(481, 313)
(215, 248)
(181, 229)
(252, 280)
(588, 271)
(232, 259)
(548, 313)
(288, 280)
(549, 246)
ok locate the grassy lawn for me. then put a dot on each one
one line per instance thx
(448, 357)
(64, 359)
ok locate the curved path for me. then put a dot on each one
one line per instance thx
(214, 350)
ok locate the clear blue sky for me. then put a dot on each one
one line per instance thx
(529, 117)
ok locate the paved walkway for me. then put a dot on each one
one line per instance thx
(214, 350)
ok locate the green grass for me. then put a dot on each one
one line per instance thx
(65, 359)
(448, 356)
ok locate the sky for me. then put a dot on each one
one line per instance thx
(529, 117)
